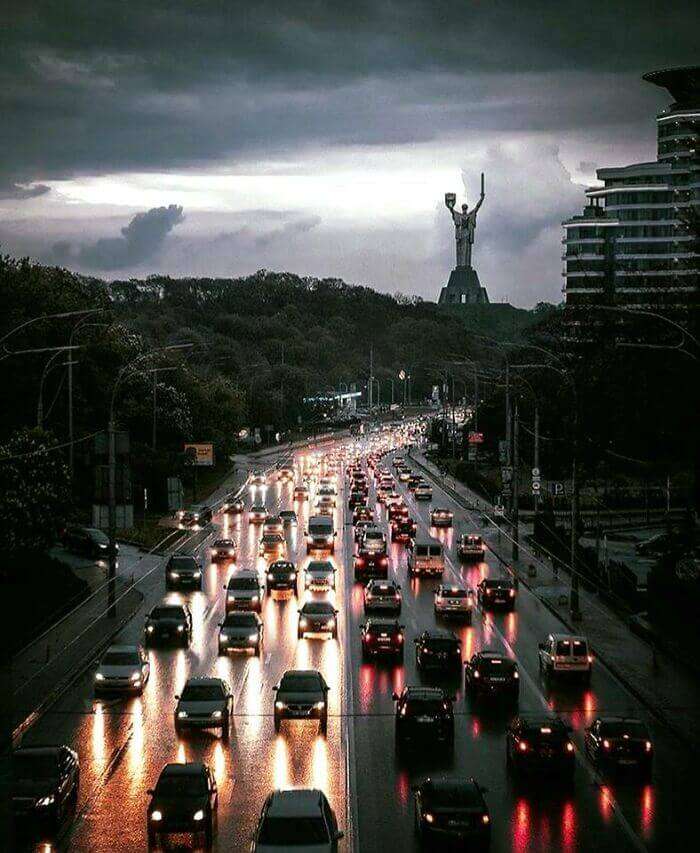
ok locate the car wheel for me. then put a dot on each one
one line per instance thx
(278, 723)
(324, 723)
(209, 834)
(226, 730)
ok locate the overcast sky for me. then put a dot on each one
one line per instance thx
(218, 137)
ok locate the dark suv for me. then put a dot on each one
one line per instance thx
(168, 623)
(489, 674)
(496, 592)
(424, 714)
(540, 745)
(44, 786)
(619, 742)
(184, 800)
(382, 637)
(302, 694)
(88, 541)
(452, 810)
(438, 650)
(281, 575)
(183, 570)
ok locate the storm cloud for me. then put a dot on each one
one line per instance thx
(140, 240)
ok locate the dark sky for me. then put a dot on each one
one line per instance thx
(319, 136)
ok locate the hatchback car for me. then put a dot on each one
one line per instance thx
(488, 674)
(440, 517)
(205, 703)
(540, 745)
(496, 592)
(300, 819)
(620, 742)
(319, 575)
(317, 617)
(302, 694)
(424, 715)
(122, 669)
(454, 600)
(382, 595)
(243, 592)
(44, 785)
(257, 514)
(184, 800)
(450, 811)
(241, 630)
(438, 650)
(88, 541)
(281, 576)
(301, 493)
(382, 638)
(223, 551)
(168, 623)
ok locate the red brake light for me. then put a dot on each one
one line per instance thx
(522, 746)
(647, 746)
(606, 744)
(569, 746)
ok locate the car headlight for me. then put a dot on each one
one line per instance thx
(280, 706)
(99, 676)
(252, 638)
(230, 597)
(198, 815)
(429, 818)
(46, 801)
(303, 623)
(217, 715)
(135, 676)
(182, 715)
(223, 638)
(174, 575)
(330, 623)
(270, 576)
(254, 598)
(214, 552)
(156, 815)
(231, 552)
(150, 629)
(319, 706)
(196, 574)
(292, 576)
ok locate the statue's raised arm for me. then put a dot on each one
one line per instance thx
(482, 197)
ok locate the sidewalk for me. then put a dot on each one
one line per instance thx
(668, 689)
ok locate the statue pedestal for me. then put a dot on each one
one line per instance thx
(463, 288)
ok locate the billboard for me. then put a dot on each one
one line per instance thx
(202, 454)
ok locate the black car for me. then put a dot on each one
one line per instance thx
(223, 551)
(540, 745)
(44, 785)
(183, 570)
(382, 637)
(281, 576)
(452, 810)
(438, 650)
(88, 541)
(496, 592)
(184, 800)
(356, 499)
(413, 481)
(317, 617)
(241, 630)
(195, 517)
(491, 675)
(620, 742)
(403, 529)
(299, 818)
(168, 623)
(233, 505)
(302, 694)
(424, 714)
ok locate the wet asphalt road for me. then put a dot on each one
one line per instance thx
(123, 743)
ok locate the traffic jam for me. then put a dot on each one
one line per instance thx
(343, 662)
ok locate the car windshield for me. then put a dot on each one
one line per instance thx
(272, 539)
(167, 613)
(33, 767)
(99, 537)
(281, 567)
(618, 729)
(424, 706)
(300, 683)
(181, 785)
(223, 543)
(455, 593)
(294, 831)
(241, 620)
(323, 607)
(183, 562)
(440, 644)
(456, 795)
(568, 647)
(202, 693)
(257, 508)
(497, 584)
(319, 567)
(243, 583)
(121, 659)
(494, 666)
(374, 534)
(383, 627)
(382, 589)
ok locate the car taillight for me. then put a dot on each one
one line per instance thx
(647, 746)
(522, 746)
(606, 744)
(590, 658)
(512, 593)
(569, 746)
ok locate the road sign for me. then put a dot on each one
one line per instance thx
(556, 489)
(502, 452)
(402, 374)
(536, 481)
(499, 510)
(476, 438)
(507, 473)
(472, 453)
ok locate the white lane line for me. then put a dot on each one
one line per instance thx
(594, 777)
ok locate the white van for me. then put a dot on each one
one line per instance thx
(320, 535)
(565, 654)
(425, 556)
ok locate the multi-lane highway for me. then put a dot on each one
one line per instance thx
(124, 743)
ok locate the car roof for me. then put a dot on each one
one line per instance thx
(380, 621)
(295, 802)
(192, 768)
(39, 750)
(124, 648)
(490, 653)
(579, 637)
(420, 692)
(453, 586)
(297, 672)
(225, 539)
(244, 573)
(612, 718)
(385, 582)
(204, 681)
(439, 634)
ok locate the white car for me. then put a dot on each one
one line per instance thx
(454, 600)
(122, 669)
(423, 492)
(319, 575)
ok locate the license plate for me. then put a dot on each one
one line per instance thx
(424, 719)
(498, 680)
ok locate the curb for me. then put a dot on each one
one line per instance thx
(660, 715)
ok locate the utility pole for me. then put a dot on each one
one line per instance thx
(516, 488)
(508, 431)
(537, 452)
(371, 376)
(574, 605)
(476, 400)
(282, 383)
(155, 410)
(112, 518)
(71, 454)
(454, 428)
